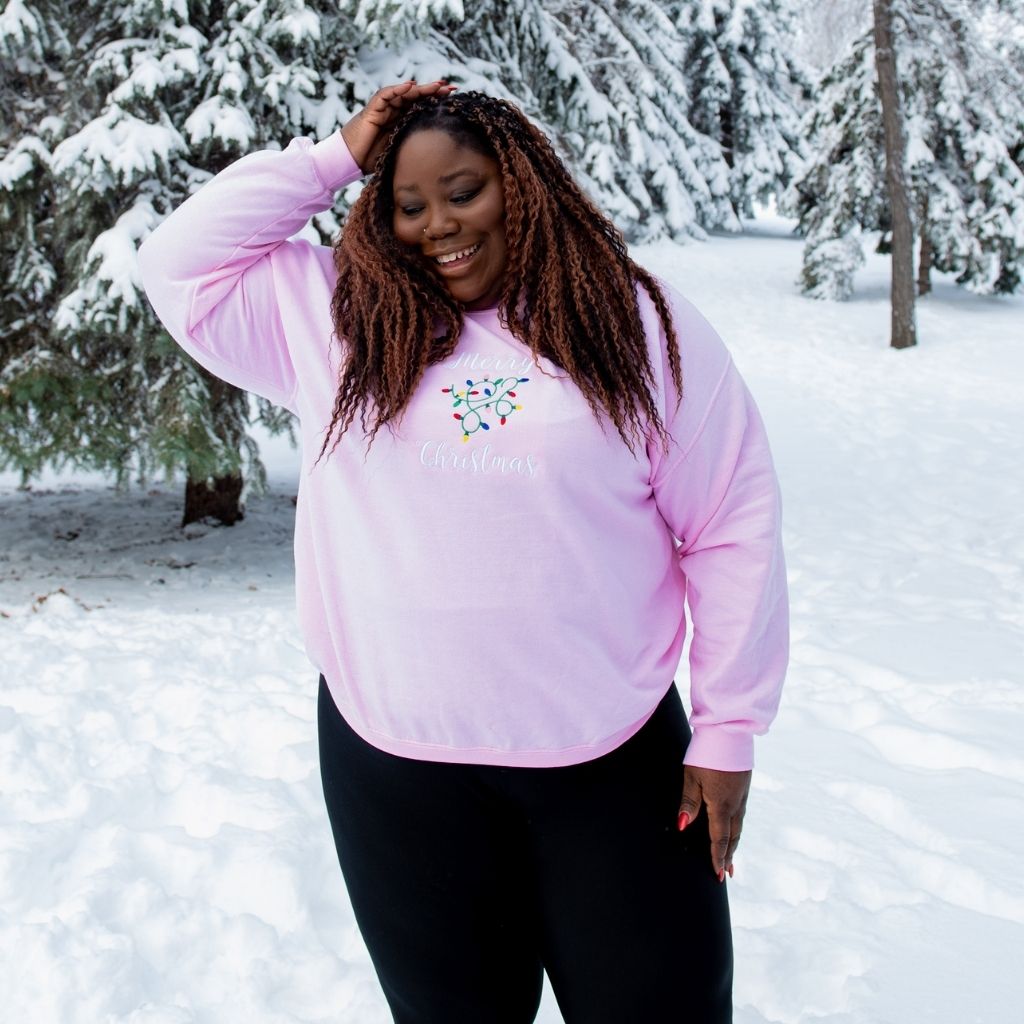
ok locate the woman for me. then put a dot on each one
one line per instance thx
(493, 586)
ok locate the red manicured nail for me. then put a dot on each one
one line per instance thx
(721, 876)
(684, 820)
(731, 869)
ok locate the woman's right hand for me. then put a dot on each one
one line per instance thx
(367, 132)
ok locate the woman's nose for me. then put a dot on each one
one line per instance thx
(440, 225)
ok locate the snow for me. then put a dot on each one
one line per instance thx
(380, 17)
(299, 26)
(164, 852)
(22, 160)
(221, 118)
(17, 24)
(113, 257)
(116, 144)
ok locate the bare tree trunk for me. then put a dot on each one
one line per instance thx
(924, 261)
(904, 333)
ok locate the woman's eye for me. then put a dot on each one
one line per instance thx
(411, 211)
(464, 197)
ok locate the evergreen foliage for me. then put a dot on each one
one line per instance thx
(610, 87)
(144, 105)
(749, 91)
(963, 103)
(119, 111)
(829, 266)
(33, 45)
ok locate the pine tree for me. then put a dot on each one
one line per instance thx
(748, 91)
(167, 102)
(841, 189)
(398, 23)
(612, 84)
(33, 376)
(969, 174)
(963, 105)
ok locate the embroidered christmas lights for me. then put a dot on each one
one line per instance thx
(481, 397)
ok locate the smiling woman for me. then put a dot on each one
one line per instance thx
(493, 589)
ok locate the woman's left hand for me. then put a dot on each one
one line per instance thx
(725, 794)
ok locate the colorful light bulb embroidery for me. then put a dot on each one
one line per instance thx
(482, 397)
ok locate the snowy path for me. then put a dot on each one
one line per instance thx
(164, 854)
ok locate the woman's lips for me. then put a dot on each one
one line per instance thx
(454, 267)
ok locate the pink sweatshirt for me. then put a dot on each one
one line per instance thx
(499, 581)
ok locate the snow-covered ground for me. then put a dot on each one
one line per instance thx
(164, 853)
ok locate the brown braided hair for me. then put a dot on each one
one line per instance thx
(569, 293)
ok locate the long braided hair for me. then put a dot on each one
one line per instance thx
(569, 293)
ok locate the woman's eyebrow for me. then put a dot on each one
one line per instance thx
(443, 180)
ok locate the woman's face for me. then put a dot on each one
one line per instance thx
(449, 203)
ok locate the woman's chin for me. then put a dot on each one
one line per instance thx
(478, 298)
(471, 298)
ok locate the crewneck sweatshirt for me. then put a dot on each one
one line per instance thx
(498, 580)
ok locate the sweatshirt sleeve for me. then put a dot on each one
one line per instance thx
(717, 490)
(217, 268)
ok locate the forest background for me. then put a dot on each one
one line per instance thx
(679, 116)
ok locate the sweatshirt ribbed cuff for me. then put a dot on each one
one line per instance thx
(715, 747)
(334, 163)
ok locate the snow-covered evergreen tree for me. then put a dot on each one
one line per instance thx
(610, 81)
(842, 189)
(166, 94)
(33, 377)
(179, 99)
(748, 90)
(964, 114)
(399, 23)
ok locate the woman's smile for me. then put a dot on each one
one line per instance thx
(459, 258)
(451, 263)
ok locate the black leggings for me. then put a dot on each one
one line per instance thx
(468, 881)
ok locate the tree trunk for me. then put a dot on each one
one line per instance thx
(214, 498)
(212, 490)
(924, 262)
(904, 333)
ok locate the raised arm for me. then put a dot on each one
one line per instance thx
(217, 269)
